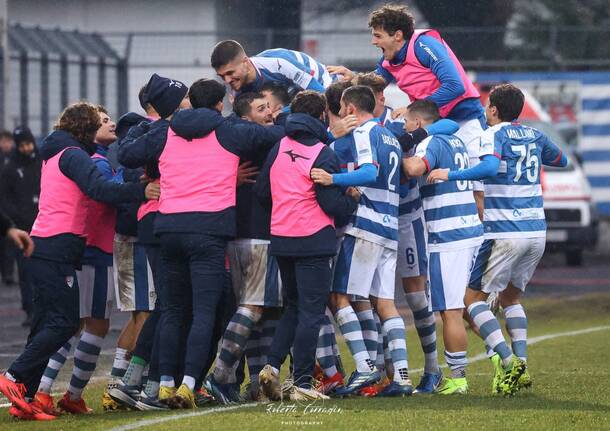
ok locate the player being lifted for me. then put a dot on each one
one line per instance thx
(515, 229)
(423, 66)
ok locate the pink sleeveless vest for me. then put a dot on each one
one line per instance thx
(151, 206)
(419, 82)
(62, 205)
(197, 175)
(295, 211)
(101, 221)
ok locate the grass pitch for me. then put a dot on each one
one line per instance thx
(571, 374)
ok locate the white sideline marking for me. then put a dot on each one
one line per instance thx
(476, 358)
(143, 423)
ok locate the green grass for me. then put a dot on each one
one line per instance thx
(571, 390)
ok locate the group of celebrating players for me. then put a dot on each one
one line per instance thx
(248, 239)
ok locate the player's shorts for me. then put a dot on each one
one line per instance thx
(365, 269)
(96, 291)
(507, 260)
(470, 133)
(133, 278)
(412, 259)
(254, 273)
(449, 272)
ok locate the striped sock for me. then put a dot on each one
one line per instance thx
(120, 363)
(335, 346)
(490, 330)
(85, 360)
(425, 323)
(135, 369)
(456, 361)
(350, 328)
(324, 351)
(253, 353)
(267, 333)
(54, 365)
(394, 327)
(234, 343)
(369, 332)
(380, 362)
(151, 389)
(167, 381)
(516, 325)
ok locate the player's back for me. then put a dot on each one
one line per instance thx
(450, 210)
(513, 198)
(376, 218)
(274, 60)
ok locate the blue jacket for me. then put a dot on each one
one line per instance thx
(308, 131)
(76, 164)
(146, 142)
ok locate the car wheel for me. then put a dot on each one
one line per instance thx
(574, 258)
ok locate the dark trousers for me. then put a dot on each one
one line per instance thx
(306, 282)
(55, 319)
(194, 272)
(25, 280)
(149, 333)
(7, 260)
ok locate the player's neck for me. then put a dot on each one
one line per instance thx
(251, 76)
(363, 117)
(493, 121)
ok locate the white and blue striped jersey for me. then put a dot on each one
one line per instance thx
(513, 198)
(409, 206)
(449, 207)
(296, 70)
(376, 218)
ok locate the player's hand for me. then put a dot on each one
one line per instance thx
(22, 240)
(341, 70)
(152, 191)
(344, 126)
(354, 193)
(320, 176)
(245, 173)
(399, 113)
(438, 175)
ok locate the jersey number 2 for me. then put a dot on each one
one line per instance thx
(462, 161)
(394, 167)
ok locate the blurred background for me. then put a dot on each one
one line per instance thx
(57, 52)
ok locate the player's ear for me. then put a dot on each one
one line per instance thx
(398, 35)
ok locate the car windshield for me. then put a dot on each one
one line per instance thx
(549, 130)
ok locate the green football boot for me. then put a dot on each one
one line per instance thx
(510, 381)
(498, 374)
(454, 386)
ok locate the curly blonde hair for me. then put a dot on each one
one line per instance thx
(81, 120)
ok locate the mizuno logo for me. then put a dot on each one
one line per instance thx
(279, 65)
(294, 156)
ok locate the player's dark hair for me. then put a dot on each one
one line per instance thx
(333, 95)
(426, 109)
(279, 91)
(309, 102)
(361, 97)
(5, 134)
(372, 80)
(508, 100)
(391, 18)
(242, 103)
(143, 98)
(206, 93)
(225, 52)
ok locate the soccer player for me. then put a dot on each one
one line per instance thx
(277, 96)
(69, 178)
(254, 274)
(366, 263)
(96, 288)
(423, 66)
(302, 238)
(454, 234)
(515, 229)
(296, 70)
(412, 261)
(198, 157)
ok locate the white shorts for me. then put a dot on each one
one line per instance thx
(133, 278)
(449, 275)
(254, 273)
(96, 291)
(412, 259)
(507, 260)
(365, 269)
(470, 134)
